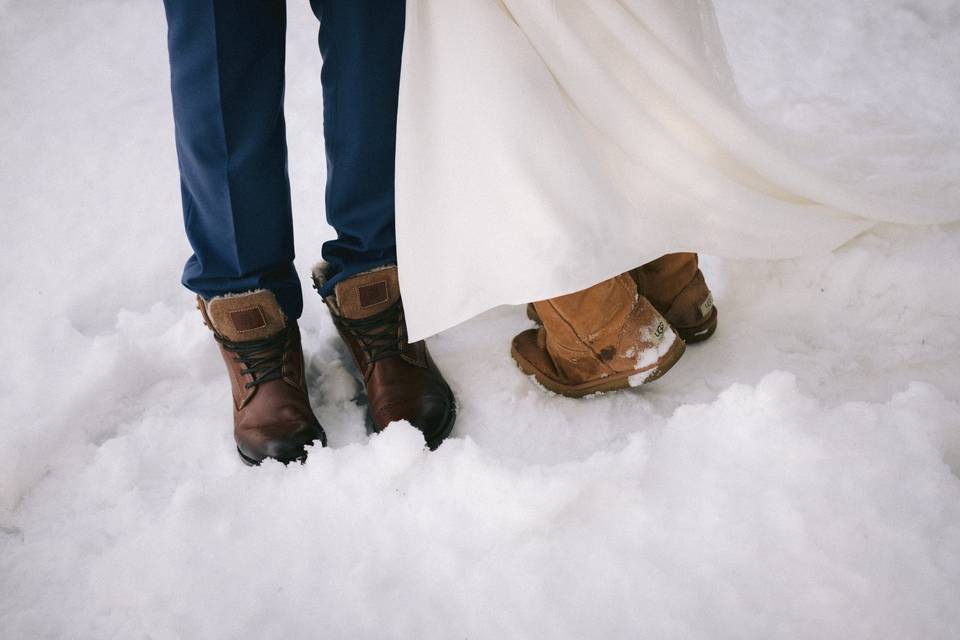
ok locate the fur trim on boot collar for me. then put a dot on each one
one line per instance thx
(250, 315)
(245, 293)
(321, 273)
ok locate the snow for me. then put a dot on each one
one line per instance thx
(661, 340)
(796, 476)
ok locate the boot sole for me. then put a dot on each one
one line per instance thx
(701, 332)
(253, 462)
(615, 382)
(690, 335)
(250, 462)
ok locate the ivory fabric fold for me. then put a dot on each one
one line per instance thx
(546, 145)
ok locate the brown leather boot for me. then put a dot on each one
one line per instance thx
(675, 286)
(272, 417)
(401, 379)
(604, 338)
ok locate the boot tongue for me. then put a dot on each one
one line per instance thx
(367, 294)
(248, 316)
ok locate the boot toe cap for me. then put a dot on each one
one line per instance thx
(433, 414)
(286, 444)
(435, 419)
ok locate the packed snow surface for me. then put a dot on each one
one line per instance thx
(794, 477)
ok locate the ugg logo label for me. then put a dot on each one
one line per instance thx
(707, 305)
(661, 329)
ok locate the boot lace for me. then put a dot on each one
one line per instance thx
(262, 359)
(381, 335)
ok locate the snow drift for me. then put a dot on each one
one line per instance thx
(795, 477)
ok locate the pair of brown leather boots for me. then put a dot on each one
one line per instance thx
(623, 332)
(272, 415)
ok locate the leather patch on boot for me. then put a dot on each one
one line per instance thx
(248, 319)
(373, 294)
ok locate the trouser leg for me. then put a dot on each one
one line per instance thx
(227, 79)
(362, 43)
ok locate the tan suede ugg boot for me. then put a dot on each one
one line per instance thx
(674, 285)
(604, 338)
(272, 417)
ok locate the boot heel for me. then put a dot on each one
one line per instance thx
(700, 332)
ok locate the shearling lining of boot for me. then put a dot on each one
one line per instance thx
(319, 273)
(246, 293)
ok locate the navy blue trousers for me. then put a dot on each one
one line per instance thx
(227, 78)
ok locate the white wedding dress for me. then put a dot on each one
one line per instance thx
(547, 145)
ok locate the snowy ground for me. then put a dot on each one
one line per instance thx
(796, 477)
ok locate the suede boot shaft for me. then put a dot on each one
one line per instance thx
(676, 288)
(604, 338)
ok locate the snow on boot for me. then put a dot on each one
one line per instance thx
(604, 338)
(675, 285)
(401, 379)
(272, 417)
